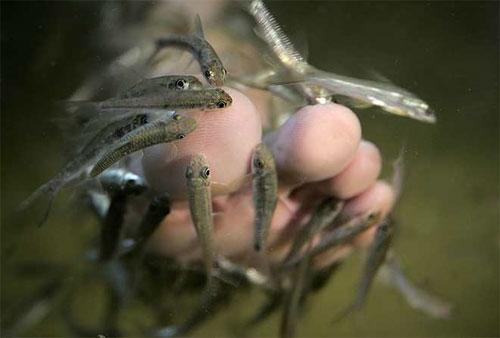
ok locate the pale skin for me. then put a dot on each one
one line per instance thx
(319, 152)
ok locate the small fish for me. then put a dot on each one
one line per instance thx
(210, 63)
(317, 86)
(416, 297)
(366, 93)
(273, 35)
(323, 216)
(265, 192)
(295, 297)
(200, 206)
(212, 296)
(119, 184)
(120, 180)
(112, 227)
(31, 310)
(273, 303)
(158, 209)
(175, 128)
(210, 98)
(376, 257)
(92, 150)
(161, 84)
(248, 274)
(340, 235)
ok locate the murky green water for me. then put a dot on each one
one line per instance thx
(447, 52)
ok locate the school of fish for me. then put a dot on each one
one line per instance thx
(152, 112)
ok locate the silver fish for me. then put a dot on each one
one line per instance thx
(376, 257)
(210, 63)
(388, 97)
(265, 192)
(120, 180)
(416, 297)
(175, 128)
(200, 206)
(318, 86)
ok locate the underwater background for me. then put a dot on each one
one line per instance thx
(448, 240)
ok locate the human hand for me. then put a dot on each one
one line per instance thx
(318, 153)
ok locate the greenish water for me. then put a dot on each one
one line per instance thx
(447, 52)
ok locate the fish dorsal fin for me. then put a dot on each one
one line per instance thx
(378, 76)
(198, 28)
(299, 40)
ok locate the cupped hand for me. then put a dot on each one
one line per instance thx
(319, 153)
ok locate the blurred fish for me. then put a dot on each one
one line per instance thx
(158, 209)
(416, 297)
(265, 192)
(162, 131)
(98, 203)
(210, 63)
(161, 84)
(323, 216)
(212, 296)
(112, 227)
(275, 299)
(248, 274)
(296, 296)
(376, 257)
(318, 86)
(122, 181)
(31, 310)
(119, 184)
(340, 235)
(200, 206)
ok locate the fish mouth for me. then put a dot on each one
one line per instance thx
(428, 116)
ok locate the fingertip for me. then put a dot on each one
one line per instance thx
(316, 143)
(359, 174)
(379, 198)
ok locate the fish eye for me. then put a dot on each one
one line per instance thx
(189, 172)
(221, 104)
(205, 172)
(181, 84)
(130, 181)
(180, 136)
(258, 163)
(208, 74)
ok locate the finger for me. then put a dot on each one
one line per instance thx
(359, 175)
(314, 144)
(226, 137)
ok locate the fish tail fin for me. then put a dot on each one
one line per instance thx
(81, 107)
(50, 189)
(354, 306)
